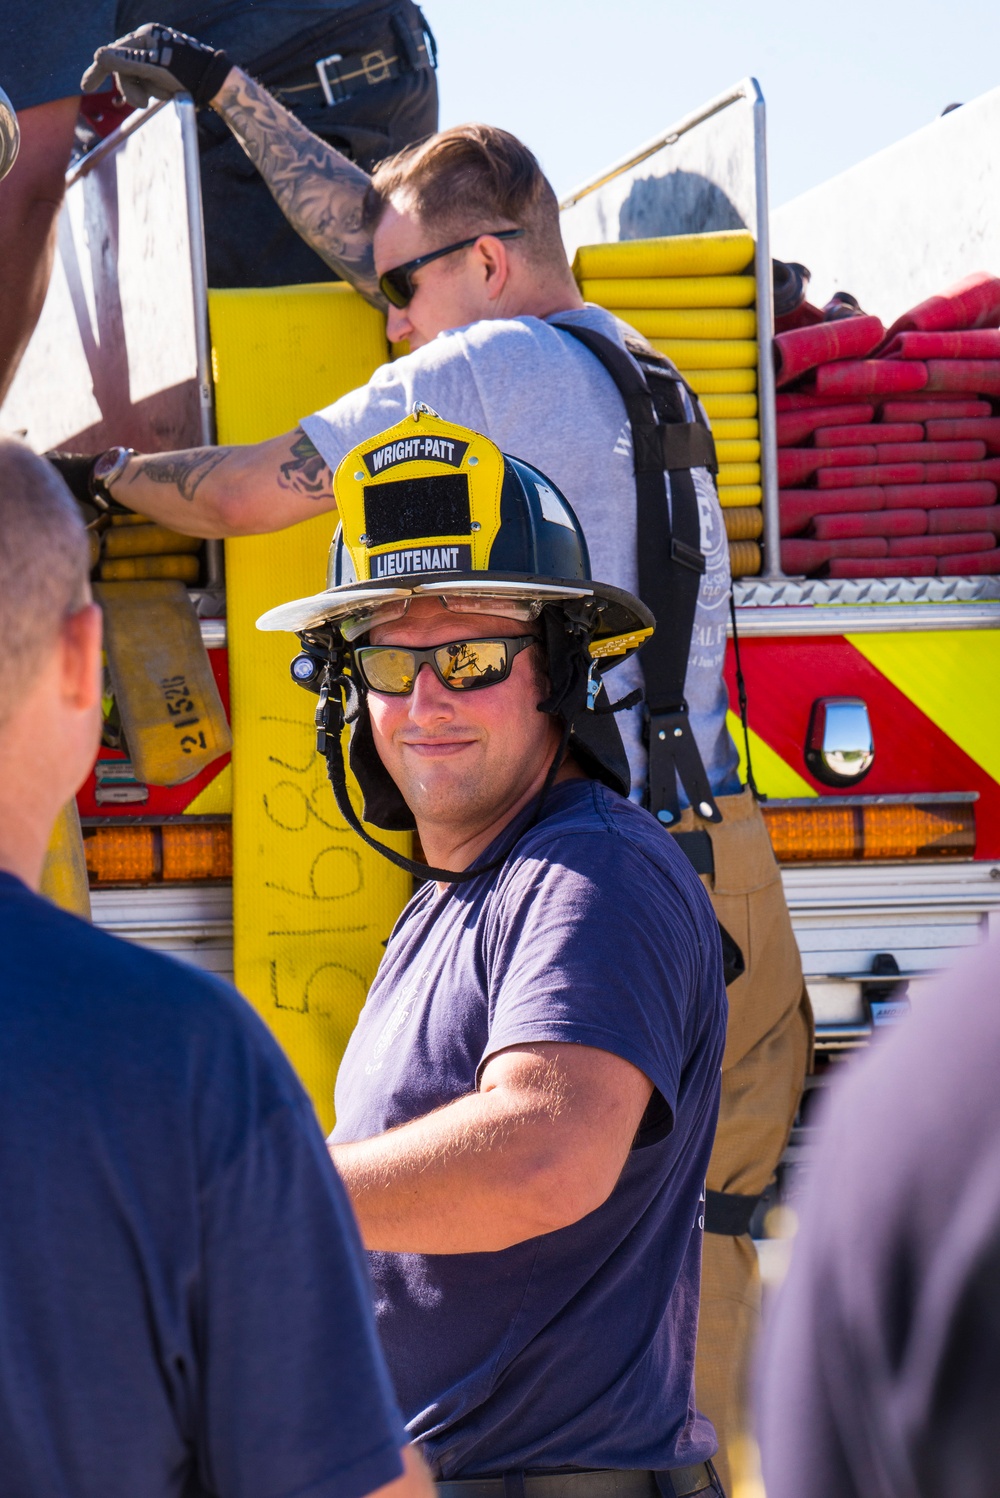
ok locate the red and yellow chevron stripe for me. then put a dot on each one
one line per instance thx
(933, 698)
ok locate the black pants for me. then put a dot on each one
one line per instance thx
(248, 240)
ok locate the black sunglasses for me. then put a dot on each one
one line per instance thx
(462, 665)
(397, 285)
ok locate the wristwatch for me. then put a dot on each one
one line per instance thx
(107, 469)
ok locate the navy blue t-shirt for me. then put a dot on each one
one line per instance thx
(575, 1348)
(184, 1303)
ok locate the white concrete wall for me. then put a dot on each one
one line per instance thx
(907, 222)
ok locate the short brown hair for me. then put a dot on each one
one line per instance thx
(469, 179)
(44, 563)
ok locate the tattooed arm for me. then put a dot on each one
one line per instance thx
(319, 191)
(230, 491)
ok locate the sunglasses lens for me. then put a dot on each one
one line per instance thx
(463, 665)
(395, 287)
(387, 668)
(472, 663)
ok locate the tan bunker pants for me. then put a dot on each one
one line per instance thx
(768, 1049)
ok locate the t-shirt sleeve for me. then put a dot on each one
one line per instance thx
(295, 1394)
(595, 946)
(439, 374)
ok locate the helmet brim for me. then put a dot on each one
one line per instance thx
(621, 612)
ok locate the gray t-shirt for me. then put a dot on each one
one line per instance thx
(541, 396)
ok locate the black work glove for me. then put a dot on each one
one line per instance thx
(158, 62)
(75, 469)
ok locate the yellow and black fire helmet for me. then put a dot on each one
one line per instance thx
(432, 508)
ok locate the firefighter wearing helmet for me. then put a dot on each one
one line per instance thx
(525, 1111)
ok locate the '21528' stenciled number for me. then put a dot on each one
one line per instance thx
(180, 707)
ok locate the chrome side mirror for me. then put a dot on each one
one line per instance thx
(840, 749)
(10, 135)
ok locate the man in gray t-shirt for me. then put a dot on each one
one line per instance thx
(538, 393)
(481, 354)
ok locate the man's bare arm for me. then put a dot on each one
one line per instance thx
(230, 491)
(319, 191)
(538, 1147)
(414, 1482)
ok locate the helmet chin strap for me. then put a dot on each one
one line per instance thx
(331, 716)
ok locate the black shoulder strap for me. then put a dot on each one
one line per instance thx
(670, 563)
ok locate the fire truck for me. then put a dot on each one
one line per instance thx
(872, 719)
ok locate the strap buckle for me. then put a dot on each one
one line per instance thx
(322, 726)
(593, 686)
(375, 67)
(687, 556)
(673, 755)
(328, 85)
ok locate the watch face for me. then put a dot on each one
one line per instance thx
(109, 461)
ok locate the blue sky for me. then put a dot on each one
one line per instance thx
(584, 83)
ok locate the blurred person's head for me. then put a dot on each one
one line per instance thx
(50, 656)
(470, 182)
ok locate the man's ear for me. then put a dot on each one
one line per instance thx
(81, 638)
(495, 262)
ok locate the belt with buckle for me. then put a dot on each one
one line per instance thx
(570, 1483)
(340, 77)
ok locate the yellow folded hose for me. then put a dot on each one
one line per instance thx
(725, 429)
(739, 494)
(721, 381)
(136, 569)
(744, 523)
(686, 295)
(691, 322)
(312, 906)
(676, 291)
(726, 407)
(166, 693)
(130, 519)
(739, 473)
(744, 558)
(717, 254)
(147, 541)
(64, 872)
(743, 451)
(708, 353)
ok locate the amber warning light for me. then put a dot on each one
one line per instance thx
(838, 829)
(165, 853)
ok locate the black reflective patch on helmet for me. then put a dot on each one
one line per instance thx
(417, 509)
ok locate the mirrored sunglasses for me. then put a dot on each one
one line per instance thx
(461, 665)
(397, 286)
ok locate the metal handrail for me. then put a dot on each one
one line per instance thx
(883, 978)
(86, 163)
(766, 412)
(665, 138)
